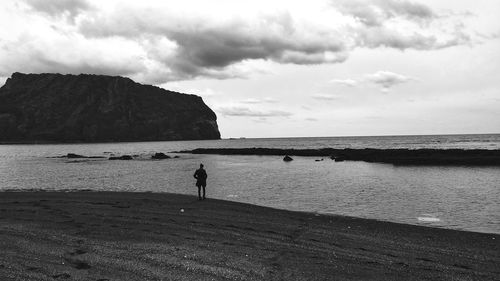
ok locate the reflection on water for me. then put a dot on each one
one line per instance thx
(454, 197)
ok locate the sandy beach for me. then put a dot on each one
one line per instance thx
(151, 236)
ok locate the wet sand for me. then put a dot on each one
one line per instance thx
(149, 236)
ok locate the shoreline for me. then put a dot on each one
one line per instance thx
(149, 236)
(312, 213)
(402, 156)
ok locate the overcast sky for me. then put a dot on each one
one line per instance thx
(281, 68)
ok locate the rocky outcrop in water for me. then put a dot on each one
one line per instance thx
(123, 157)
(160, 156)
(473, 157)
(78, 156)
(98, 108)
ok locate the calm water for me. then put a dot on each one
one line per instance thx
(465, 198)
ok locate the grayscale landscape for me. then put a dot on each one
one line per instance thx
(249, 140)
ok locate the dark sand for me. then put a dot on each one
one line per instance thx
(145, 236)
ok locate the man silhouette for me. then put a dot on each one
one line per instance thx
(201, 181)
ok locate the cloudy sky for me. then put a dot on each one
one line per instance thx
(281, 68)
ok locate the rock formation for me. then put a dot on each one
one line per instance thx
(449, 157)
(160, 155)
(98, 108)
(123, 157)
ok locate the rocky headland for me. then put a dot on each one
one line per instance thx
(97, 108)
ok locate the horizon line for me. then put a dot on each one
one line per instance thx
(350, 136)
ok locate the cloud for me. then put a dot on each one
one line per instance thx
(260, 120)
(311, 119)
(377, 12)
(251, 101)
(387, 79)
(161, 41)
(325, 97)
(241, 111)
(207, 47)
(202, 92)
(259, 101)
(399, 39)
(57, 8)
(401, 25)
(30, 53)
(345, 82)
(270, 100)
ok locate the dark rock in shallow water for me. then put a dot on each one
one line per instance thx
(287, 158)
(72, 155)
(339, 159)
(123, 157)
(160, 155)
(78, 156)
(97, 108)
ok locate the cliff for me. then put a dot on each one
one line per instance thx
(97, 108)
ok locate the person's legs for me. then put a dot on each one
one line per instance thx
(203, 192)
(199, 192)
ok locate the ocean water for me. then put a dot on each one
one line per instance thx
(461, 197)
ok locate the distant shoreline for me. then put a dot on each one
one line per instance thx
(447, 157)
(144, 236)
(360, 136)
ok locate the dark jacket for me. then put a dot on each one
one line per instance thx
(200, 175)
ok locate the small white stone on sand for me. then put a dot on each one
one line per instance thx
(428, 219)
(182, 210)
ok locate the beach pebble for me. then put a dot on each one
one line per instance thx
(182, 210)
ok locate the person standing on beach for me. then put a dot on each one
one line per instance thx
(201, 181)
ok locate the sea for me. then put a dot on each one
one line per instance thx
(454, 197)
